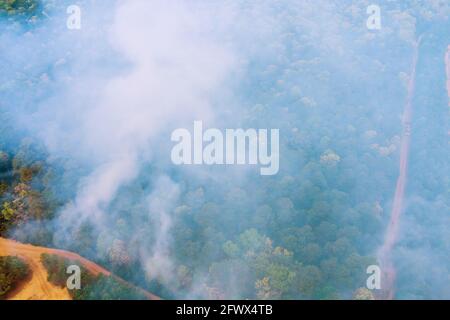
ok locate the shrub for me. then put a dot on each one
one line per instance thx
(99, 287)
(13, 270)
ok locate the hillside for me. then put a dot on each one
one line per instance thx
(38, 287)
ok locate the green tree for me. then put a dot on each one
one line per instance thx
(7, 211)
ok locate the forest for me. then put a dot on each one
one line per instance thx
(85, 161)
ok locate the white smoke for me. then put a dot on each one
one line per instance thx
(157, 260)
(176, 66)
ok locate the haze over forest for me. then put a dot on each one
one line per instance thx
(86, 117)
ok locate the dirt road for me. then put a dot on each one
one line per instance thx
(385, 253)
(38, 288)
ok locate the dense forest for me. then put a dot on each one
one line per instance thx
(336, 91)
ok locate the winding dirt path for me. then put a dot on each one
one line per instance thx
(37, 287)
(385, 253)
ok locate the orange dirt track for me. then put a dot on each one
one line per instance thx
(37, 287)
(385, 253)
